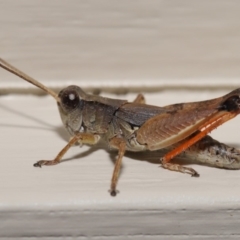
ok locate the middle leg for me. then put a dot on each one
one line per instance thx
(120, 144)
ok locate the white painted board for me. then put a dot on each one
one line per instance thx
(176, 51)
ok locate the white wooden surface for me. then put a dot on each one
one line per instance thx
(71, 199)
(122, 40)
(154, 45)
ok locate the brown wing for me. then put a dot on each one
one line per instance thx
(181, 120)
(166, 129)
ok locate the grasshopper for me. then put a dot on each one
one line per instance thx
(136, 126)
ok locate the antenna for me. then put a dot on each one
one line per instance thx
(7, 66)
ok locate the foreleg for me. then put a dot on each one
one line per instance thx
(82, 138)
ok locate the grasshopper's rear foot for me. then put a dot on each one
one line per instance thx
(45, 162)
(179, 168)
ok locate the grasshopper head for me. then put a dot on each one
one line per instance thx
(69, 100)
(70, 105)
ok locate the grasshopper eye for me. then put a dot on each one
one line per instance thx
(69, 99)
